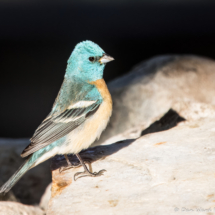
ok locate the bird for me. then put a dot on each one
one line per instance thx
(79, 114)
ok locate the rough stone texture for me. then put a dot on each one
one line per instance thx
(158, 150)
(158, 173)
(45, 198)
(31, 186)
(154, 86)
(14, 208)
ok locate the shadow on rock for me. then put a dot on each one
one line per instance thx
(169, 120)
(92, 154)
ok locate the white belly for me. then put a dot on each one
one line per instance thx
(84, 135)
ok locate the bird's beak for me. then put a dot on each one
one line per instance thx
(105, 59)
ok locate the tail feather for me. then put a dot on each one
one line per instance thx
(16, 176)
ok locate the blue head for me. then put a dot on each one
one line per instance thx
(87, 62)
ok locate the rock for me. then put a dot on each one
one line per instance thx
(45, 198)
(14, 208)
(158, 173)
(158, 149)
(159, 144)
(155, 86)
(31, 186)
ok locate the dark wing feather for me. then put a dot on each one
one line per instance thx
(55, 127)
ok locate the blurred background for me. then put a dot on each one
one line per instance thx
(38, 36)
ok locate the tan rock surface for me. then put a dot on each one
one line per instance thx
(45, 198)
(169, 103)
(14, 208)
(149, 90)
(162, 171)
(157, 173)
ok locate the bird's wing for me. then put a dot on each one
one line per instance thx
(60, 123)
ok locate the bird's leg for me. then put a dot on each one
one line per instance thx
(86, 171)
(70, 165)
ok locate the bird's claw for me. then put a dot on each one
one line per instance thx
(64, 168)
(90, 174)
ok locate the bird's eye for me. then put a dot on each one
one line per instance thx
(92, 59)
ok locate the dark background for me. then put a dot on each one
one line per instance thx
(37, 37)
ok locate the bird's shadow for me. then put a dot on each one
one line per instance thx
(169, 120)
(91, 154)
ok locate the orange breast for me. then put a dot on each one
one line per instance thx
(102, 88)
(82, 137)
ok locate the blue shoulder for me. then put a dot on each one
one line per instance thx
(93, 94)
(74, 90)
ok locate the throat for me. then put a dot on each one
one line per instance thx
(103, 90)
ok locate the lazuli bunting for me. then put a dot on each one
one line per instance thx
(79, 115)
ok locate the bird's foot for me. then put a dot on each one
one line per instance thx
(69, 166)
(88, 173)
(64, 168)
